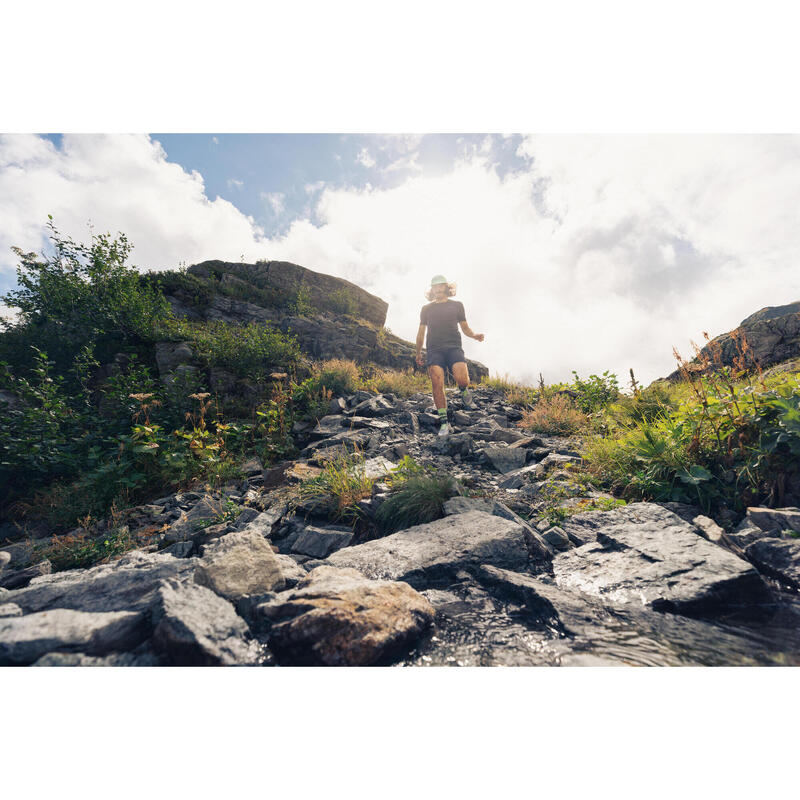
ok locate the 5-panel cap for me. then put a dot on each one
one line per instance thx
(438, 279)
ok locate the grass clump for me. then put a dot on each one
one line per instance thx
(342, 483)
(402, 383)
(514, 393)
(557, 415)
(418, 496)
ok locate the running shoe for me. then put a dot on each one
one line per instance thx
(466, 399)
(445, 430)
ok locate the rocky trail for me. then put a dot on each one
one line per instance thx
(530, 565)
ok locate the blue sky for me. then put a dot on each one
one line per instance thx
(584, 252)
(274, 177)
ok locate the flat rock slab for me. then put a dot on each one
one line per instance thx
(435, 551)
(195, 627)
(777, 557)
(24, 639)
(128, 584)
(238, 564)
(505, 459)
(647, 556)
(320, 543)
(337, 617)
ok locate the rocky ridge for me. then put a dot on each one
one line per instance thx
(498, 579)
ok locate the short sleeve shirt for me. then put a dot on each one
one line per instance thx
(442, 320)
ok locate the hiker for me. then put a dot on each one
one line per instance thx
(442, 317)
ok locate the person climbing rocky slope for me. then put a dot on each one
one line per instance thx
(526, 563)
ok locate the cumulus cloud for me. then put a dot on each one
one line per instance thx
(591, 253)
(602, 252)
(120, 183)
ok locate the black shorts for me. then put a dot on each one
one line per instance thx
(445, 357)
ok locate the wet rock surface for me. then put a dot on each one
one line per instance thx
(514, 572)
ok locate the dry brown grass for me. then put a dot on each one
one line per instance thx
(555, 415)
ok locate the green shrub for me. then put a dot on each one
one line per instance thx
(596, 392)
(83, 295)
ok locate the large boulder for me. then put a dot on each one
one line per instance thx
(195, 627)
(337, 617)
(436, 551)
(238, 564)
(129, 584)
(645, 555)
(24, 639)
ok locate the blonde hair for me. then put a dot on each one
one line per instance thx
(451, 290)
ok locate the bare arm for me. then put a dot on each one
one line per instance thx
(420, 341)
(469, 332)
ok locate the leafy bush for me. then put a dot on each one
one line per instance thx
(82, 296)
(342, 301)
(250, 351)
(596, 392)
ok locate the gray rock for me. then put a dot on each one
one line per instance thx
(292, 571)
(319, 542)
(337, 405)
(708, 528)
(238, 564)
(513, 481)
(459, 444)
(15, 579)
(246, 516)
(774, 518)
(24, 639)
(128, 584)
(337, 617)
(5, 559)
(645, 555)
(180, 549)
(505, 459)
(779, 558)
(195, 627)
(424, 554)
(10, 610)
(539, 549)
(557, 538)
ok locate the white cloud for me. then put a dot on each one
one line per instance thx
(365, 159)
(215, 140)
(233, 183)
(601, 253)
(276, 202)
(122, 183)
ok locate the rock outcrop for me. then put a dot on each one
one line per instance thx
(772, 334)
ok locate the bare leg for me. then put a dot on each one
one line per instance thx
(437, 382)
(461, 374)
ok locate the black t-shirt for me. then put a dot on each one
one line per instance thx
(442, 320)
